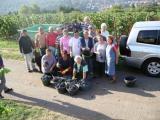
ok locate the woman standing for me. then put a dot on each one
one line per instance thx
(100, 51)
(104, 31)
(112, 58)
(64, 42)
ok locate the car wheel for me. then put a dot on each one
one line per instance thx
(152, 67)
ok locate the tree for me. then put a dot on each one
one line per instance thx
(25, 10)
(8, 27)
(35, 9)
(117, 8)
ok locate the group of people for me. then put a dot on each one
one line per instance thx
(77, 56)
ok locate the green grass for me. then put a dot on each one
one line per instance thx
(19, 111)
(16, 111)
(9, 49)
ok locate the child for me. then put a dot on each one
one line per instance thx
(3, 81)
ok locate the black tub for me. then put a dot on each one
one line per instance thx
(130, 81)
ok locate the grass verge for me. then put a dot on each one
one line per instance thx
(9, 49)
(12, 110)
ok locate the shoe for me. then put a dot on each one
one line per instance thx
(113, 81)
(30, 71)
(91, 75)
(8, 90)
(107, 75)
(35, 70)
(1, 97)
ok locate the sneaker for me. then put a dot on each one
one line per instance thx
(8, 90)
(35, 70)
(112, 81)
(107, 75)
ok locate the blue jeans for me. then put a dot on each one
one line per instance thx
(53, 49)
(42, 51)
(2, 83)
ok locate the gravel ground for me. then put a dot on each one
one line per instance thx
(103, 102)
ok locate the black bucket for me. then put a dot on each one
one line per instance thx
(130, 81)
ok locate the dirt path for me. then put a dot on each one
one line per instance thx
(103, 102)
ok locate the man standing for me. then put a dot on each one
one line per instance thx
(60, 34)
(87, 46)
(3, 81)
(26, 48)
(51, 40)
(40, 41)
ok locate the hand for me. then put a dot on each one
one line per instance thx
(58, 65)
(73, 78)
(98, 53)
(62, 52)
(51, 69)
(71, 55)
(87, 48)
(83, 49)
(63, 72)
(116, 61)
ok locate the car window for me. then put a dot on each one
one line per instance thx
(159, 37)
(148, 36)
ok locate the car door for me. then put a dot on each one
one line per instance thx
(146, 44)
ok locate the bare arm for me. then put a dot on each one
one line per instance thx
(95, 49)
(36, 41)
(55, 62)
(61, 47)
(117, 54)
(52, 67)
(46, 41)
(84, 75)
(74, 75)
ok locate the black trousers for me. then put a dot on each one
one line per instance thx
(100, 68)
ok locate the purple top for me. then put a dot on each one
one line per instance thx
(47, 63)
(1, 62)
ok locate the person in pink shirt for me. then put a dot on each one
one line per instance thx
(64, 42)
(51, 40)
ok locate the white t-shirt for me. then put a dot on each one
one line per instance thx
(105, 34)
(75, 44)
(101, 49)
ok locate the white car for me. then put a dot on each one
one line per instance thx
(142, 48)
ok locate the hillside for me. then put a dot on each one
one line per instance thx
(84, 5)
